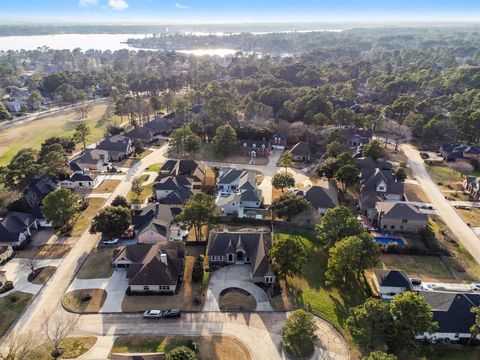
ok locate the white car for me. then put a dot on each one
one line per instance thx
(110, 242)
(153, 314)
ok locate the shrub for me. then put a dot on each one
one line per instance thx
(181, 353)
(197, 271)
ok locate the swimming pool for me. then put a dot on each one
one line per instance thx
(389, 240)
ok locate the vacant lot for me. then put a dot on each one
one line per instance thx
(85, 218)
(73, 347)
(84, 301)
(182, 300)
(415, 193)
(107, 186)
(209, 347)
(429, 268)
(447, 178)
(98, 264)
(10, 307)
(43, 252)
(33, 133)
(207, 152)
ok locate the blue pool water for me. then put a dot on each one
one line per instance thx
(389, 240)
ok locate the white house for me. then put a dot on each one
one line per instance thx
(16, 228)
(237, 192)
(389, 283)
(85, 180)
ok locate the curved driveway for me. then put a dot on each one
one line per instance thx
(456, 224)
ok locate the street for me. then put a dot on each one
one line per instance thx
(462, 231)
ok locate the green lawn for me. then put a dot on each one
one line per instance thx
(446, 352)
(155, 167)
(444, 174)
(309, 290)
(10, 307)
(146, 193)
(33, 133)
(73, 347)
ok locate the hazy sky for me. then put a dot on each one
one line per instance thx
(243, 10)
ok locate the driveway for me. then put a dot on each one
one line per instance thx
(463, 232)
(115, 286)
(234, 276)
(19, 276)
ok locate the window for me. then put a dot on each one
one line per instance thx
(146, 288)
(254, 145)
(268, 279)
(230, 257)
(220, 258)
(80, 184)
(247, 259)
(384, 226)
(404, 221)
(392, 227)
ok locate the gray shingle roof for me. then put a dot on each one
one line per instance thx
(301, 149)
(13, 224)
(321, 196)
(393, 278)
(400, 211)
(117, 143)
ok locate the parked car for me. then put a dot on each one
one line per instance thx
(424, 155)
(128, 235)
(172, 313)
(152, 314)
(110, 241)
(462, 207)
(475, 286)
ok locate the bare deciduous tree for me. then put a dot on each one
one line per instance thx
(18, 348)
(462, 167)
(30, 265)
(56, 328)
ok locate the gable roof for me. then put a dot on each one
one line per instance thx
(41, 186)
(147, 267)
(185, 167)
(116, 143)
(452, 310)
(158, 125)
(322, 195)
(13, 224)
(370, 178)
(255, 243)
(393, 278)
(140, 133)
(301, 148)
(173, 183)
(87, 160)
(400, 210)
(158, 217)
(83, 177)
(229, 176)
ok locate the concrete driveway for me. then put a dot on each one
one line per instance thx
(234, 276)
(115, 286)
(19, 276)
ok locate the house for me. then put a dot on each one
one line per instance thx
(91, 159)
(174, 190)
(401, 217)
(246, 246)
(156, 223)
(302, 151)
(3, 279)
(118, 147)
(370, 163)
(237, 192)
(389, 283)
(16, 228)
(356, 137)
(278, 142)
(156, 268)
(143, 134)
(188, 168)
(459, 152)
(159, 126)
(472, 153)
(36, 191)
(6, 253)
(13, 106)
(451, 311)
(255, 148)
(84, 180)
(322, 196)
(471, 184)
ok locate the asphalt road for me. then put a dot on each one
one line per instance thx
(462, 231)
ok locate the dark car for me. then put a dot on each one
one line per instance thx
(172, 313)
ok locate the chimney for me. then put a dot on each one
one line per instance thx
(157, 206)
(163, 258)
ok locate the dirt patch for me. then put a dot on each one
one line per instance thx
(209, 347)
(45, 252)
(42, 275)
(107, 186)
(183, 299)
(235, 299)
(85, 300)
(415, 193)
(282, 301)
(85, 218)
(470, 216)
(98, 264)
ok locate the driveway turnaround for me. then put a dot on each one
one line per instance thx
(234, 276)
(260, 332)
(19, 276)
(456, 224)
(115, 286)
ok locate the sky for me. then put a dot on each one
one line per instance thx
(217, 11)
